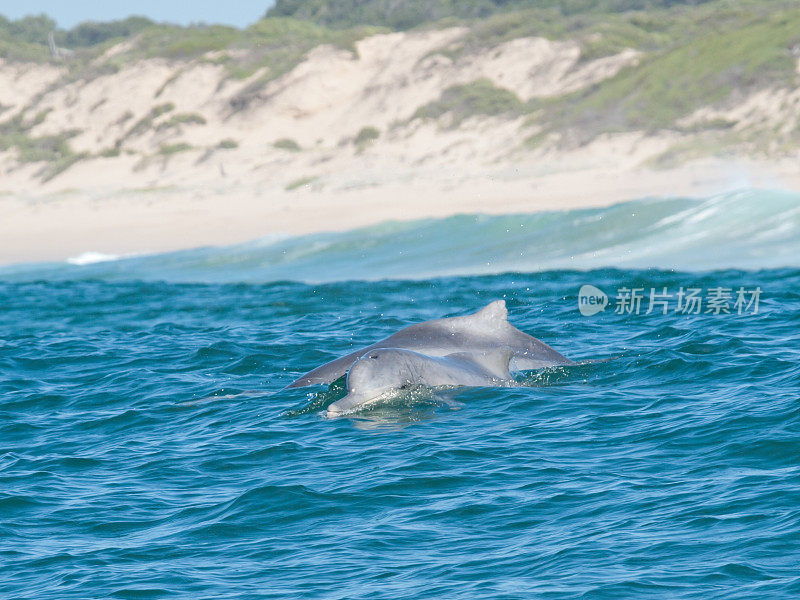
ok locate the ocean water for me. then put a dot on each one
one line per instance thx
(148, 449)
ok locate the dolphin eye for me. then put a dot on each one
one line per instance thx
(374, 357)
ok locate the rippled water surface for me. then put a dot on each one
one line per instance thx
(147, 449)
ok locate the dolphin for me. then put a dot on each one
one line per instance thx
(386, 370)
(481, 332)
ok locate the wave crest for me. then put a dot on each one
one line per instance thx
(750, 229)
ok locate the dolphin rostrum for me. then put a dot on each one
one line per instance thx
(386, 370)
(481, 332)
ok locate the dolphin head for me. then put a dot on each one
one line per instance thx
(374, 374)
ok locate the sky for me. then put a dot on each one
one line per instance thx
(70, 12)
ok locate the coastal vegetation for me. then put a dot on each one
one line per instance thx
(302, 182)
(52, 150)
(181, 119)
(145, 123)
(701, 68)
(477, 98)
(228, 144)
(274, 44)
(405, 14)
(365, 137)
(168, 149)
(693, 60)
(287, 144)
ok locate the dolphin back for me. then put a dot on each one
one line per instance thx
(482, 332)
(494, 363)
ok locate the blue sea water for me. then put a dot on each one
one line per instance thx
(148, 450)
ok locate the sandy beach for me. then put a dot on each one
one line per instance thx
(58, 225)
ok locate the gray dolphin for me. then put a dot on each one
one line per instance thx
(385, 370)
(481, 332)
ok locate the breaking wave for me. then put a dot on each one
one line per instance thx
(749, 229)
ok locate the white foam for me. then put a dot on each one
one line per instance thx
(90, 258)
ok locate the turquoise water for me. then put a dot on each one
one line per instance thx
(147, 450)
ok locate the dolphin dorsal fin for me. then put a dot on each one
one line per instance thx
(493, 312)
(495, 361)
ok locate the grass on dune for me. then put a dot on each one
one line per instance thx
(479, 97)
(52, 150)
(281, 43)
(287, 144)
(169, 149)
(275, 44)
(15, 134)
(300, 183)
(673, 83)
(175, 121)
(169, 41)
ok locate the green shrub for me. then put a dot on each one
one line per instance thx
(302, 182)
(287, 144)
(168, 149)
(144, 124)
(170, 41)
(366, 135)
(41, 116)
(279, 44)
(405, 14)
(46, 148)
(62, 164)
(54, 150)
(716, 124)
(30, 29)
(228, 144)
(181, 119)
(481, 97)
(14, 133)
(126, 116)
(90, 33)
